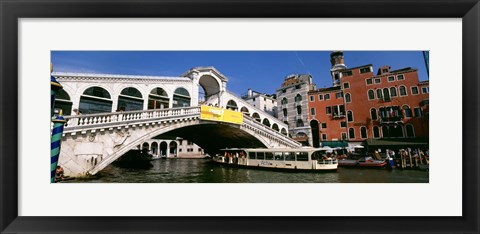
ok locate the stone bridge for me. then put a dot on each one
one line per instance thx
(151, 106)
(91, 142)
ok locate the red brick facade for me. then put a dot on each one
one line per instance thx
(389, 104)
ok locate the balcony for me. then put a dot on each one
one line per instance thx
(392, 119)
(338, 115)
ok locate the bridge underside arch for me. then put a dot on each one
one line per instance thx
(214, 136)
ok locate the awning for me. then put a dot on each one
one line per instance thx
(300, 139)
(334, 144)
(409, 142)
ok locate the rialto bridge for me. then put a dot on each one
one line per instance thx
(120, 112)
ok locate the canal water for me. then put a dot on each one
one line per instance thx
(203, 171)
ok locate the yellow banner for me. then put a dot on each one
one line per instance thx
(219, 114)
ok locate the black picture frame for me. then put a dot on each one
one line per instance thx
(11, 11)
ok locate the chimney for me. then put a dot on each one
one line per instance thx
(250, 93)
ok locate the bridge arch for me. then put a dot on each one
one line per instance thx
(210, 85)
(275, 127)
(245, 110)
(256, 116)
(266, 122)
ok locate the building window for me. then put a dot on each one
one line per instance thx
(284, 90)
(324, 136)
(386, 94)
(312, 111)
(312, 98)
(284, 101)
(369, 81)
(373, 114)
(343, 124)
(408, 111)
(349, 116)
(300, 123)
(320, 97)
(351, 133)
(402, 90)
(348, 98)
(338, 111)
(376, 132)
(299, 110)
(391, 78)
(327, 96)
(253, 99)
(377, 81)
(365, 70)
(418, 112)
(409, 130)
(339, 95)
(285, 112)
(371, 95)
(348, 73)
(179, 150)
(393, 92)
(328, 110)
(414, 90)
(180, 142)
(400, 77)
(298, 86)
(324, 125)
(346, 85)
(425, 90)
(363, 132)
(379, 94)
(344, 136)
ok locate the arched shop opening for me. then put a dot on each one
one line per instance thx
(130, 99)
(154, 148)
(181, 98)
(232, 105)
(95, 100)
(158, 99)
(163, 148)
(63, 102)
(173, 148)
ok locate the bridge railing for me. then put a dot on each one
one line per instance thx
(81, 121)
(253, 122)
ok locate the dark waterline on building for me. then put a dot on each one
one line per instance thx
(203, 171)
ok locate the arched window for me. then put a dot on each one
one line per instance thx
(63, 102)
(371, 95)
(283, 131)
(408, 111)
(244, 110)
(299, 110)
(410, 131)
(386, 94)
(298, 98)
(256, 116)
(376, 132)
(351, 133)
(154, 148)
(284, 101)
(232, 105)
(379, 94)
(348, 97)
(349, 116)
(275, 127)
(373, 114)
(181, 98)
(173, 148)
(363, 132)
(95, 100)
(393, 92)
(158, 99)
(130, 99)
(266, 122)
(402, 90)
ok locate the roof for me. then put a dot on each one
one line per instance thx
(367, 65)
(333, 88)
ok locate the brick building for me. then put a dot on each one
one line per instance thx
(361, 104)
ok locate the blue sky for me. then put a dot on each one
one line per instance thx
(263, 71)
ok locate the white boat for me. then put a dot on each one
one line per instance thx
(313, 159)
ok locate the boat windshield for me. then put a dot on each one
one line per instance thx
(319, 154)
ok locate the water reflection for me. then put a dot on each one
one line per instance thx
(203, 171)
